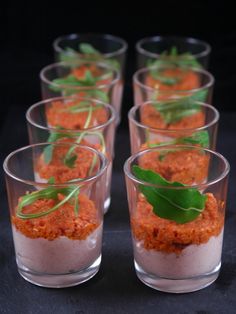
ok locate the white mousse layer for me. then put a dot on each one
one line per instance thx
(58, 256)
(194, 260)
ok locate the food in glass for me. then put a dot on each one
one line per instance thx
(180, 121)
(168, 82)
(92, 47)
(74, 119)
(83, 79)
(57, 222)
(181, 51)
(177, 221)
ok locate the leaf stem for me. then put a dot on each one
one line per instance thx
(19, 213)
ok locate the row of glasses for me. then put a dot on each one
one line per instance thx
(59, 185)
(67, 175)
(176, 182)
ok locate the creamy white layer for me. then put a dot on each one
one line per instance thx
(59, 256)
(194, 260)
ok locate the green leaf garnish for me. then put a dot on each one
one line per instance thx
(66, 84)
(181, 206)
(88, 49)
(176, 110)
(83, 106)
(173, 58)
(48, 193)
(200, 95)
(48, 150)
(53, 137)
(99, 94)
(69, 55)
(200, 138)
(51, 180)
(164, 79)
(90, 54)
(69, 161)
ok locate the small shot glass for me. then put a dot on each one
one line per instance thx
(167, 82)
(176, 122)
(75, 119)
(57, 227)
(92, 47)
(177, 217)
(177, 50)
(84, 79)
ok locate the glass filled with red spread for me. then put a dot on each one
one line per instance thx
(169, 81)
(177, 209)
(92, 47)
(174, 50)
(173, 122)
(75, 119)
(56, 211)
(92, 79)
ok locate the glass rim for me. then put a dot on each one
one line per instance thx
(224, 173)
(132, 112)
(112, 118)
(190, 40)
(136, 80)
(64, 64)
(123, 49)
(104, 164)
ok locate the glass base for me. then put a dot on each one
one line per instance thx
(59, 280)
(177, 285)
(107, 204)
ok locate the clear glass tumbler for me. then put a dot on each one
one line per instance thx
(92, 47)
(56, 209)
(177, 199)
(176, 50)
(167, 82)
(75, 119)
(178, 121)
(82, 78)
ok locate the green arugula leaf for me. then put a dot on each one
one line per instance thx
(48, 193)
(51, 180)
(99, 94)
(91, 54)
(69, 55)
(72, 80)
(67, 83)
(173, 58)
(173, 51)
(200, 138)
(176, 110)
(181, 206)
(69, 161)
(53, 137)
(113, 63)
(83, 106)
(88, 49)
(200, 95)
(164, 79)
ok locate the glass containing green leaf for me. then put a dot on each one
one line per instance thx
(177, 226)
(92, 47)
(82, 78)
(74, 119)
(57, 223)
(168, 82)
(180, 121)
(181, 51)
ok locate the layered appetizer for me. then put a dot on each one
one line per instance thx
(177, 216)
(57, 217)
